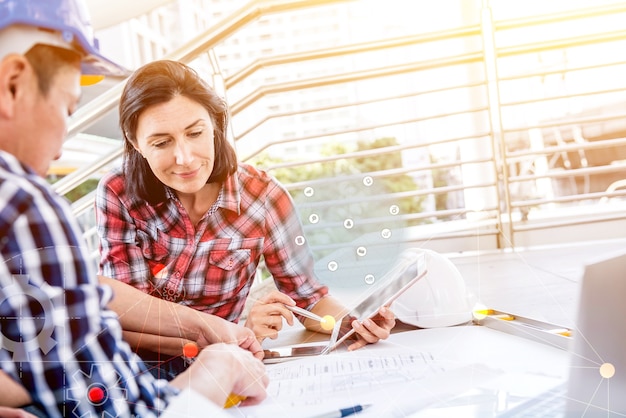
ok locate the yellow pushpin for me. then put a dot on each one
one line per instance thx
(326, 323)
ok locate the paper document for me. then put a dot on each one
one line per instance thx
(314, 382)
(453, 371)
(393, 381)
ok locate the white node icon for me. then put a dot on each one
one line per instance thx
(607, 370)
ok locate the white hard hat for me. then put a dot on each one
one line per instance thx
(439, 299)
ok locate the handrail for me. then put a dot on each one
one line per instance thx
(561, 43)
(352, 76)
(91, 112)
(390, 43)
(349, 49)
(570, 122)
(525, 164)
(520, 155)
(237, 20)
(404, 95)
(97, 108)
(563, 16)
(360, 128)
(77, 177)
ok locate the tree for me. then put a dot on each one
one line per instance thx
(348, 198)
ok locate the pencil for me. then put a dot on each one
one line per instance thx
(233, 400)
(304, 313)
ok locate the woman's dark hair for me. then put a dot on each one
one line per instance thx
(159, 82)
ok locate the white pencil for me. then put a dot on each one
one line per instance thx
(304, 313)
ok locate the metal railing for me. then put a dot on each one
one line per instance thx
(516, 179)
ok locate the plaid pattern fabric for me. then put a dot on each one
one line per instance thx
(57, 338)
(210, 266)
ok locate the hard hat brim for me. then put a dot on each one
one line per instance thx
(95, 64)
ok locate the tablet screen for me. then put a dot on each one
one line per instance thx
(406, 272)
(390, 287)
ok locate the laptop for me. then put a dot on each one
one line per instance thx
(596, 386)
(406, 271)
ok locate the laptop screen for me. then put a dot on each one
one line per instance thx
(597, 379)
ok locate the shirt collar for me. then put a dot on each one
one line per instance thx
(229, 197)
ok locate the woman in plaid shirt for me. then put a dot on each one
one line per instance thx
(182, 220)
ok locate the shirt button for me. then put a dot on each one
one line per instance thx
(231, 262)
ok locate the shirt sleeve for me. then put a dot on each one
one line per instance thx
(57, 337)
(120, 257)
(191, 404)
(287, 255)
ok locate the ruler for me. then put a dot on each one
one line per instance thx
(544, 332)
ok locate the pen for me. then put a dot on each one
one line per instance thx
(343, 412)
(304, 313)
(327, 322)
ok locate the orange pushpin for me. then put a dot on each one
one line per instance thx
(190, 350)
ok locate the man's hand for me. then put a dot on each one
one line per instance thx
(13, 393)
(223, 369)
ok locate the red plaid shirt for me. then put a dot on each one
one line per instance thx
(212, 266)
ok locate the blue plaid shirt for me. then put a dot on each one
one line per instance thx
(57, 338)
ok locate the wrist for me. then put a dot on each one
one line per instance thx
(191, 322)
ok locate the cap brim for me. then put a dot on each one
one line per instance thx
(94, 64)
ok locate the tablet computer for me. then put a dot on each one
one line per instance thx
(408, 269)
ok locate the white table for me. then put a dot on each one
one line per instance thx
(469, 371)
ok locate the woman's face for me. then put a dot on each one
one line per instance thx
(176, 139)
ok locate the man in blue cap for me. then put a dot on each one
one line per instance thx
(60, 347)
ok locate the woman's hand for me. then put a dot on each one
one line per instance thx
(372, 330)
(265, 318)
